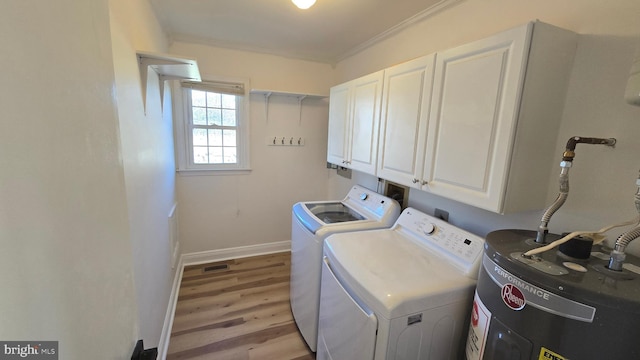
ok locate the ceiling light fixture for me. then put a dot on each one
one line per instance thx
(304, 4)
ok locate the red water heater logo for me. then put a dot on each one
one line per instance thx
(513, 297)
(475, 316)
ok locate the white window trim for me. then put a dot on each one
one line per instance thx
(184, 162)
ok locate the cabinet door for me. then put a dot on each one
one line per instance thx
(365, 98)
(476, 97)
(405, 110)
(338, 136)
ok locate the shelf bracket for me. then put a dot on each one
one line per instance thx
(266, 106)
(168, 68)
(300, 98)
(162, 79)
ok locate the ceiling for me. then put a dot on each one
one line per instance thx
(327, 32)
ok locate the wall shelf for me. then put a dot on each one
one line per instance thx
(168, 67)
(299, 96)
(287, 93)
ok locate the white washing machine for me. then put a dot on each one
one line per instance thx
(312, 222)
(399, 293)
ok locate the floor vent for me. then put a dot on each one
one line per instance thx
(213, 268)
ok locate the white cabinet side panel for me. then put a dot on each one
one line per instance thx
(338, 124)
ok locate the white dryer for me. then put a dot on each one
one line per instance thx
(398, 293)
(312, 222)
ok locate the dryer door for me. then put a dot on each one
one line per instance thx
(347, 329)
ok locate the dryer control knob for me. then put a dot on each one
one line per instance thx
(428, 228)
(363, 196)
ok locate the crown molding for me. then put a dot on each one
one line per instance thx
(421, 16)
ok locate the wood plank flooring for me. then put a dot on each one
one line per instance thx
(239, 312)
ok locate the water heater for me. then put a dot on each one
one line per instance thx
(555, 306)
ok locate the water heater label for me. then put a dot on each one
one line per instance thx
(514, 291)
(546, 354)
(480, 318)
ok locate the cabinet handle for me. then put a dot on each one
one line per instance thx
(415, 181)
(424, 182)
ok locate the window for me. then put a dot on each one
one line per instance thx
(213, 133)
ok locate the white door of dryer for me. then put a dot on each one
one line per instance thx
(347, 328)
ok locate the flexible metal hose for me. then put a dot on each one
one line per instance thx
(617, 254)
(543, 229)
(624, 239)
(565, 164)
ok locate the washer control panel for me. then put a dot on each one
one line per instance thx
(380, 205)
(458, 245)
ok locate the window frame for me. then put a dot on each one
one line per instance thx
(184, 133)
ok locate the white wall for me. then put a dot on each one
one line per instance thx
(602, 180)
(66, 261)
(265, 71)
(228, 211)
(474, 19)
(147, 155)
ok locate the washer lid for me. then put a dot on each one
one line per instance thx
(333, 212)
(331, 217)
(393, 274)
(360, 209)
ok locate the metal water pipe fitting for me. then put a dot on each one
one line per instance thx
(566, 163)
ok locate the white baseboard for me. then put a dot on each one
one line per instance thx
(165, 336)
(202, 258)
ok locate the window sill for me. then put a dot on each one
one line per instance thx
(209, 172)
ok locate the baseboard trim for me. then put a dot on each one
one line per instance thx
(165, 336)
(202, 258)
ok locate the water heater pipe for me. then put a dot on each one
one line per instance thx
(617, 254)
(565, 165)
(596, 236)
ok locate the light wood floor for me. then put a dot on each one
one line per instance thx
(242, 312)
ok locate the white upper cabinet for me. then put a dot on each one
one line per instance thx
(404, 119)
(477, 123)
(354, 119)
(494, 118)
